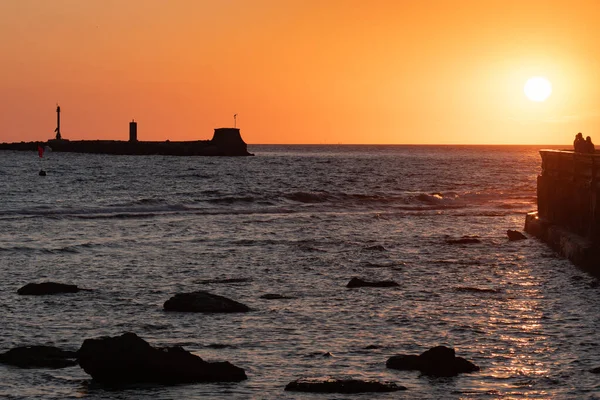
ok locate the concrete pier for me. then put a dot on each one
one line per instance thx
(568, 215)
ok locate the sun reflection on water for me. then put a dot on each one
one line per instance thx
(519, 323)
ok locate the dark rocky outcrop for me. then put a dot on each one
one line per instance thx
(357, 282)
(202, 301)
(39, 357)
(274, 296)
(332, 385)
(595, 370)
(515, 235)
(463, 240)
(130, 359)
(437, 361)
(47, 288)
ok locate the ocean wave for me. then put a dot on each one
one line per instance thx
(402, 200)
(469, 289)
(112, 211)
(53, 250)
(215, 202)
(232, 199)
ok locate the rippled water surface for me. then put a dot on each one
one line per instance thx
(298, 221)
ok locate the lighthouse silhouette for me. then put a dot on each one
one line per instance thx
(57, 130)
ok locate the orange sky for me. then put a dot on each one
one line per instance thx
(300, 71)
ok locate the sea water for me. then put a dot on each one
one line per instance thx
(298, 221)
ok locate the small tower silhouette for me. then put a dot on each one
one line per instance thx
(133, 131)
(57, 130)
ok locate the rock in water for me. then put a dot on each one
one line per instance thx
(515, 235)
(275, 296)
(437, 361)
(130, 359)
(463, 240)
(332, 385)
(357, 282)
(202, 301)
(47, 288)
(39, 357)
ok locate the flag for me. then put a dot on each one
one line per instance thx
(40, 151)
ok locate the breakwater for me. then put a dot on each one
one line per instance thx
(568, 215)
(225, 142)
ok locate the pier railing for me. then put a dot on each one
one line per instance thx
(568, 191)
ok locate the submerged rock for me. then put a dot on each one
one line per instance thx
(357, 282)
(463, 240)
(437, 361)
(130, 359)
(332, 385)
(39, 357)
(274, 296)
(47, 288)
(595, 370)
(515, 235)
(202, 301)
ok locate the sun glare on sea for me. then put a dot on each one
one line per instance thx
(537, 88)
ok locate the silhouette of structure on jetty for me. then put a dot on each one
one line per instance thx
(568, 215)
(225, 142)
(57, 130)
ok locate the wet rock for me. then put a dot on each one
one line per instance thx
(357, 282)
(38, 289)
(39, 357)
(437, 361)
(130, 359)
(595, 370)
(515, 235)
(404, 362)
(274, 296)
(463, 240)
(332, 385)
(202, 301)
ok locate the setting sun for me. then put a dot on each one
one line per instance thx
(537, 88)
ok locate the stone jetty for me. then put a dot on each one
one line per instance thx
(225, 142)
(568, 214)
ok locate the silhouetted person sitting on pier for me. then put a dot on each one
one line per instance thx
(589, 146)
(579, 144)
